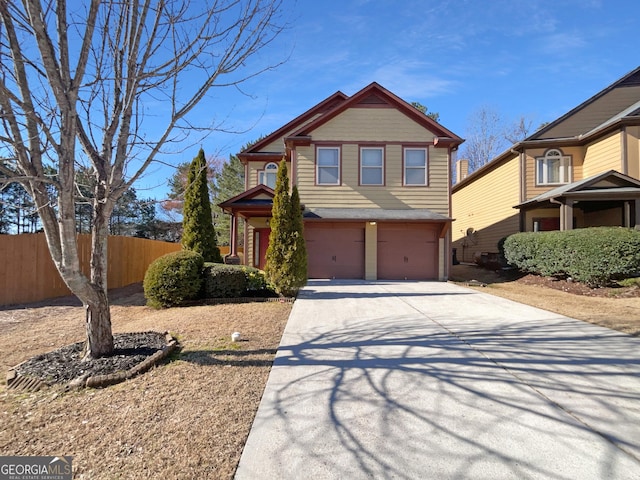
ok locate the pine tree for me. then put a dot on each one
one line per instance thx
(286, 257)
(228, 183)
(197, 224)
(299, 254)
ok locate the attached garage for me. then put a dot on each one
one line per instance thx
(335, 249)
(407, 251)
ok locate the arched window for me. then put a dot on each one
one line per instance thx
(554, 168)
(268, 175)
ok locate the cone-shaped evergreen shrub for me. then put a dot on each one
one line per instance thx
(286, 258)
(198, 233)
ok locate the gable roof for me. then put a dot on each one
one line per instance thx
(376, 95)
(321, 108)
(601, 183)
(373, 95)
(597, 111)
(252, 201)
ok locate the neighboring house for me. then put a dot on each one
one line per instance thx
(581, 170)
(373, 174)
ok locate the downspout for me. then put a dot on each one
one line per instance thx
(522, 167)
(624, 151)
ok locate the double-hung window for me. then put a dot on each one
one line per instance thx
(415, 166)
(371, 166)
(328, 166)
(553, 169)
(268, 175)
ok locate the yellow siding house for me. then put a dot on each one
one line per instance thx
(580, 170)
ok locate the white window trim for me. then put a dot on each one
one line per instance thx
(318, 167)
(426, 167)
(565, 165)
(381, 167)
(262, 173)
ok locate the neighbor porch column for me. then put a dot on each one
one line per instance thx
(566, 215)
(627, 213)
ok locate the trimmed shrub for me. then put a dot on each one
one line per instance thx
(224, 281)
(257, 283)
(173, 279)
(596, 256)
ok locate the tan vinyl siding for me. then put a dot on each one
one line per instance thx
(371, 251)
(633, 152)
(393, 195)
(255, 167)
(278, 144)
(485, 205)
(531, 188)
(372, 125)
(603, 155)
(381, 126)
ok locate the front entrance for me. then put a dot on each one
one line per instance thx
(260, 244)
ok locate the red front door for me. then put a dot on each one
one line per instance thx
(260, 242)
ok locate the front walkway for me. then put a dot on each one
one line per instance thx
(429, 380)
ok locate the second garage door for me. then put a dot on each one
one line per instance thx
(335, 250)
(407, 251)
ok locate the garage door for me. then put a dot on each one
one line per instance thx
(335, 250)
(407, 251)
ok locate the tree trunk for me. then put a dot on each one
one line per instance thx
(98, 314)
(98, 326)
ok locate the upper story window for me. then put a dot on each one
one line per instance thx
(553, 169)
(328, 166)
(371, 166)
(415, 166)
(268, 175)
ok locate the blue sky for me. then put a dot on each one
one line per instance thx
(536, 59)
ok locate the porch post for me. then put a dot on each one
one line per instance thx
(637, 225)
(568, 215)
(234, 235)
(627, 213)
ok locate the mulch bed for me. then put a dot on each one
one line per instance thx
(578, 288)
(65, 364)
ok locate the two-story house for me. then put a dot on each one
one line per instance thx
(581, 170)
(373, 174)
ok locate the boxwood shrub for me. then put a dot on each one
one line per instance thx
(223, 281)
(232, 281)
(596, 256)
(173, 279)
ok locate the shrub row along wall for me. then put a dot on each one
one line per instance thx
(27, 273)
(595, 256)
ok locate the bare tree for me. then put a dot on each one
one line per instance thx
(76, 89)
(488, 135)
(518, 130)
(484, 137)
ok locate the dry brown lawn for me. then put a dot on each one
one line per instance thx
(189, 417)
(615, 308)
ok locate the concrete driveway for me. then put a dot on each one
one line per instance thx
(423, 380)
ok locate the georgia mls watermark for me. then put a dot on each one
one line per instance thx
(35, 468)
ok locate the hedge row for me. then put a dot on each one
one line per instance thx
(596, 256)
(179, 277)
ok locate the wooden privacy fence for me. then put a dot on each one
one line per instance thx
(27, 273)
